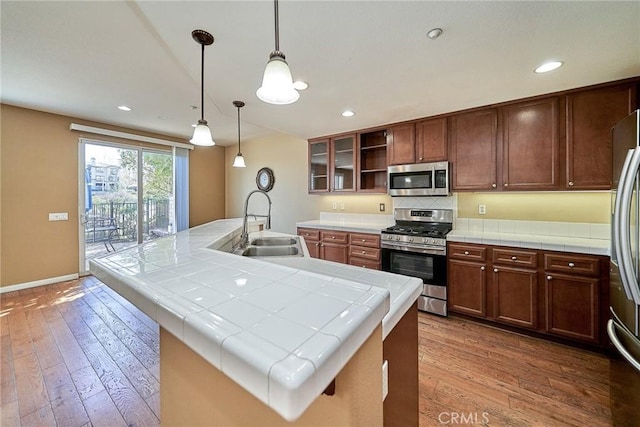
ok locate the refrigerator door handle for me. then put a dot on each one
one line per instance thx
(615, 222)
(622, 229)
(611, 331)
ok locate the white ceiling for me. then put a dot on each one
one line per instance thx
(85, 58)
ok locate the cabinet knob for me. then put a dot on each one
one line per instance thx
(506, 185)
(364, 240)
(364, 252)
(333, 237)
(571, 265)
(514, 258)
(570, 183)
(318, 244)
(421, 158)
(482, 268)
(493, 185)
(466, 252)
(549, 277)
(495, 270)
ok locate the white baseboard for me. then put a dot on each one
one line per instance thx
(27, 285)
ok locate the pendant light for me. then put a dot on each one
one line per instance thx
(277, 84)
(238, 162)
(202, 133)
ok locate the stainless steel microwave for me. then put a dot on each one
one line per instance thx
(422, 179)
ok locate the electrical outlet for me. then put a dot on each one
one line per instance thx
(335, 205)
(381, 207)
(482, 209)
(341, 206)
(59, 216)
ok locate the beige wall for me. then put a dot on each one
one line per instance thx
(39, 174)
(287, 156)
(588, 206)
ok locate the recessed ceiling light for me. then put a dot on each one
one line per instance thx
(435, 33)
(348, 113)
(548, 66)
(124, 108)
(162, 117)
(300, 85)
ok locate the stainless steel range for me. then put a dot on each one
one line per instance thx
(416, 246)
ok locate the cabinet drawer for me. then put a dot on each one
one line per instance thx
(334, 236)
(570, 263)
(468, 252)
(364, 263)
(364, 252)
(309, 234)
(515, 257)
(370, 240)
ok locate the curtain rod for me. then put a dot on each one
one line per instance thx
(125, 135)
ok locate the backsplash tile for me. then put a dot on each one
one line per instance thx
(449, 202)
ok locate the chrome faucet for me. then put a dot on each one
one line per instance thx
(244, 237)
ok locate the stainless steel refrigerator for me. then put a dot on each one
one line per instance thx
(624, 326)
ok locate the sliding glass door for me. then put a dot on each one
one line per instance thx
(127, 197)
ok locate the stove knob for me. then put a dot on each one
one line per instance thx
(410, 239)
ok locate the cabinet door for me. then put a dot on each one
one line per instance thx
(343, 176)
(515, 296)
(530, 147)
(312, 240)
(572, 306)
(473, 150)
(431, 140)
(318, 166)
(401, 144)
(590, 116)
(334, 252)
(467, 287)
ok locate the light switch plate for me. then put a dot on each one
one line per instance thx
(58, 216)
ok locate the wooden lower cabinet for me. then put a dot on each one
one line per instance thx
(573, 306)
(312, 240)
(467, 287)
(360, 249)
(515, 296)
(560, 294)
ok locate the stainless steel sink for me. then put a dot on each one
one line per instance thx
(271, 251)
(274, 241)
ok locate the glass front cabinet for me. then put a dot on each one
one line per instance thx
(332, 164)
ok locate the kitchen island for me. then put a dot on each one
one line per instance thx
(246, 340)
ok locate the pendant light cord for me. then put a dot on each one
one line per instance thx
(202, 84)
(275, 6)
(239, 151)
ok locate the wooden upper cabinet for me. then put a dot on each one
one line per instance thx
(431, 140)
(401, 144)
(530, 147)
(472, 150)
(590, 116)
(319, 166)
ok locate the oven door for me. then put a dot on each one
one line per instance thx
(431, 268)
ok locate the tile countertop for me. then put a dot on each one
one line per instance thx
(585, 238)
(357, 223)
(282, 328)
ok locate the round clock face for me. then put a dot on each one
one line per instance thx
(265, 179)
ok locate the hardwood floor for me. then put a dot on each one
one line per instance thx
(77, 354)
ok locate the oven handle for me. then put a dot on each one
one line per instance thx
(413, 248)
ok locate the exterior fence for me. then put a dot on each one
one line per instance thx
(124, 217)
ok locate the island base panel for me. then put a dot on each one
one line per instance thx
(195, 393)
(401, 351)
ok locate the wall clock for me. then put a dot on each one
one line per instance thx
(265, 179)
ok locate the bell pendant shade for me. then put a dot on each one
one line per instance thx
(277, 84)
(238, 162)
(202, 135)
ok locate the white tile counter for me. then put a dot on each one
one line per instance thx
(282, 329)
(584, 238)
(355, 223)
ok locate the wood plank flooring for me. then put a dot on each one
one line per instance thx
(77, 354)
